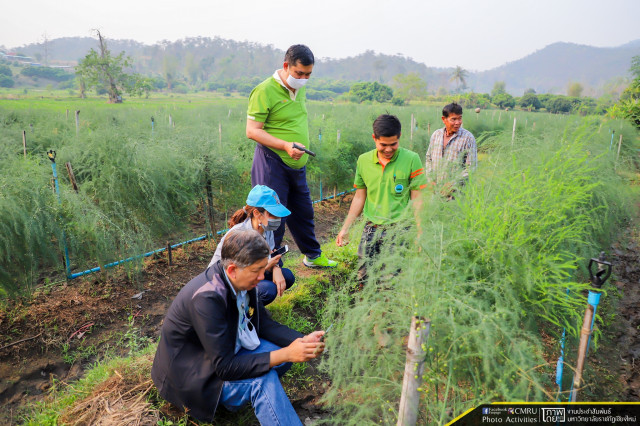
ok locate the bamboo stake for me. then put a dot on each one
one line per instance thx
(338, 143)
(77, 122)
(24, 142)
(169, 251)
(619, 146)
(67, 114)
(513, 135)
(209, 204)
(412, 129)
(585, 332)
(170, 120)
(220, 134)
(72, 177)
(413, 371)
(429, 129)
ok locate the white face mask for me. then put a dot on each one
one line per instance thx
(296, 83)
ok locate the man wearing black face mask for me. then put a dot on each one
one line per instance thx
(276, 119)
(263, 213)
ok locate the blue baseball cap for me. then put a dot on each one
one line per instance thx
(265, 197)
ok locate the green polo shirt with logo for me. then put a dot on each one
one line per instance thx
(270, 103)
(388, 187)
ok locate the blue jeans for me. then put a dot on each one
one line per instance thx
(268, 290)
(270, 403)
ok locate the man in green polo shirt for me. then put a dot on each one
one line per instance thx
(276, 119)
(387, 178)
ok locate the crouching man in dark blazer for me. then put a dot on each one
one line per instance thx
(218, 345)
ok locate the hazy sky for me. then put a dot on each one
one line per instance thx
(476, 34)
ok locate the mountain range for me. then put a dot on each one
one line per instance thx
(548, 70)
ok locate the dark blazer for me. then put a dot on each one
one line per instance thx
(196, 352)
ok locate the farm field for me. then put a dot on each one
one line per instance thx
(500, 271)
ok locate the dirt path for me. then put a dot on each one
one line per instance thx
(624, 349)
(65, 328)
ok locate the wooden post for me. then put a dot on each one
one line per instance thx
(209, 206)
(220, 134)
(229, 114)
(77, 122)
(170, 253)
(412, 125)
(24, 142)
(335, 191)
(534, 126)
(429, 129)
(338, 143)
(170, 120)
(513, 135)
(617, 156)
(67, 113)
(585, 332)
(72, 177)
(413, 371)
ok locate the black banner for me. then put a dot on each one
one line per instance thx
(549, 413)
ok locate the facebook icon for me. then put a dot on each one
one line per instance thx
(485, 410)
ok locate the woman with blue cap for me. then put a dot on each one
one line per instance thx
(263, 213)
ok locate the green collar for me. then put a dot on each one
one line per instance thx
(376, 160)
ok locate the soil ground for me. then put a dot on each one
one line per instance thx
(63, 329)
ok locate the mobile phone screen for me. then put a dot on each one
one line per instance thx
(281, 250)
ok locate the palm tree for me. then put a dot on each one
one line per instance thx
(459, 74)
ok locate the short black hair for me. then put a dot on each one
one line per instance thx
(452, 108)
(386, 125)
(299, 53)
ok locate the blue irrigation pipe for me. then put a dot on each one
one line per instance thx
(51, 154)
(140, 256)
(593, 300)
(160, 250)
(332, 196)
(611, 144)
(560, 365)
(598, 278)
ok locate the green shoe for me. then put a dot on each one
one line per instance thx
(319, 262)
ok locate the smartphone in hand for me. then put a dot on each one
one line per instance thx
(282, 250)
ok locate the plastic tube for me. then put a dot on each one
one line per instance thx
(151, 253)
(64, 237)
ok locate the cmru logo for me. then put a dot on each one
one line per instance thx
(510, 410)
(550, 415)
